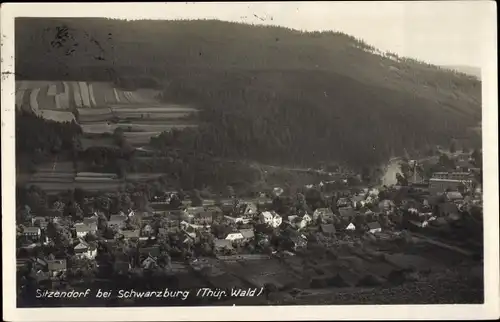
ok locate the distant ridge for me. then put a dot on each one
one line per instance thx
(468, 70)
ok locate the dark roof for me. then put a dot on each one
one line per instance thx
(194, 210)
(374, 225)
(347, 212)
(223, 243)
(31, 230)
(452, 195)
(117, 218)
(448, 208)
(121, 265)
(328, 228)
(213, 209)
(56, 264)
(153, 251)
(131, 233)
(204, 214)
(90, 220)
(324, 211)
(85, 228)
(247, 233)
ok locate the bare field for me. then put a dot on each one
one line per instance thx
(58, 116)
(143, 176)
(97, 142)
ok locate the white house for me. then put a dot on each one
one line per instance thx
(237, 219)
(247, 233)
(250, 209)
(83, 229)
(413, 211)
(350, 227)
(420, 224)
(307, 218)
(324, 213)
(84, 250)
(277, 191)
(374, 227)
(271, 218)
(235, 236)
(358, 201)
(32, 232)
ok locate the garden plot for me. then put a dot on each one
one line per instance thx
(76, 94)
(140, 138)
(91, 94)
(150, 108)
(102, 93)
(141, 115)
(97, 128)
(64, 97)
(46, 101)
(58, 116)
(29, 84)
(19, 98)
(106, 142)
(84, 92)
(143, 176)
(94, 114)
(34, 100)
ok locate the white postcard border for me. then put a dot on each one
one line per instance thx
(490, 309)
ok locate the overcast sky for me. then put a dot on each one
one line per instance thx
(439, 32)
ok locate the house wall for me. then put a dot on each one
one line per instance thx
(81, 234)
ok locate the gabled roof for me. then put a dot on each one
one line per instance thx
(374, 225)
(358, 198)
(350, 226)
(213, 209)
(453, 195)
(448, 208)
(347, 212)
(117, 218)
(221, 243)
(204, 214)
(194, 210)
(90, 220)
(81, 227)
(131, 233)
(247, 233)
(150, 251)
(56, 264)
(31, 230)
(81, 246)
(328, 228)
(323, 212)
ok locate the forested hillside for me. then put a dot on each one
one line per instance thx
(269, 94)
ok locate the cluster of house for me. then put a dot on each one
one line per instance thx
(445, 193)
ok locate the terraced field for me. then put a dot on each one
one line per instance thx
(100, 107)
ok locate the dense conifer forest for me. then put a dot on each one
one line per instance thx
(267, 93)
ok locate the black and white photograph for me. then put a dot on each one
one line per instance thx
(238, 155)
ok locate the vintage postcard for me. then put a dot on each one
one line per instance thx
(257, 161)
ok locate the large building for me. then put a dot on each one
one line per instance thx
(444, 181)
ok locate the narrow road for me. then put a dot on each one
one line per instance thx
(443, 245)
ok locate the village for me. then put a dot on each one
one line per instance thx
(322, 238)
